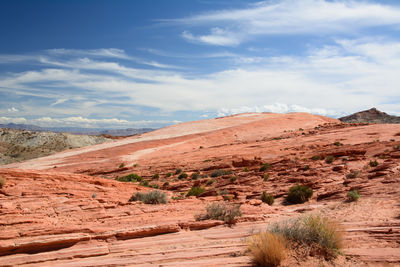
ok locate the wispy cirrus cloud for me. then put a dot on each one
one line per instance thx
(287, 17)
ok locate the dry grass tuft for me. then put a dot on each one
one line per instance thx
(2, 182)
(267, 249)
(313, 231)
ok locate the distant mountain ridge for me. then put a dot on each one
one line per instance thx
(78, 130)
(370, 116)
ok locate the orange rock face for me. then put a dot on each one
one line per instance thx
(69, 209)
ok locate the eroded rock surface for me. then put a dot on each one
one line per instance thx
(77, 214)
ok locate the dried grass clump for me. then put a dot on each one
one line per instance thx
(267, 249)
(314, 231)
(220, 211)
(2, 182)
(152, 197)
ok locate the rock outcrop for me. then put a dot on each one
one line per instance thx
(370, 116)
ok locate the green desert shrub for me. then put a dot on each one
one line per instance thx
(144, 183)
(337, 143)
(373, 163)
(195, 191)
(178, 171)
(121, 165)
(152, 197)
(133, 177)
(183, 175)
(210, 182)
(316, 157)
(299, 194)
(264, 167)
(195, 176)
(329, 159)
(267, 249)
(218, 173)
(220, 211)
(233, 179)
(312, 230)
(156, 176)
(2, 182)
(352, 175)
(353, 195)
(168, 174)
(267, 198)
(266, 177)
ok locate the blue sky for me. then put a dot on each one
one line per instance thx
(120, 64)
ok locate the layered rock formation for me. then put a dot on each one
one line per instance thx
(68, 210)
(370, 116)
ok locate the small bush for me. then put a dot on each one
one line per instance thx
(329, 159)
(299, 194)
(352, 175)
(195, 191)
(316, 157)
(267, 249)
(220, 211)
(168, 174)
(312, 230)
(373, 163)
(133, 177)
(178, 171)
(233, 179)
(306, 167)
(195, 176)
(2, 182)
(338, 143)
(210, 182)
(152, 197)
(156, 176)
(144, 183)
(267, 198)
(264, 167)
(121, 165)
(218, 173)
(183, 175)
(353, 195)
(246, 169)
(266, 177)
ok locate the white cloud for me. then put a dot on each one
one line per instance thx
(217, 36)
(12, 109)
(291, 17)
(275, 108)
(79, 121)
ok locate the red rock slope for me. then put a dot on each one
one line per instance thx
(77, 214)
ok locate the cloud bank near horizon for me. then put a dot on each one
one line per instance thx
(348, 69)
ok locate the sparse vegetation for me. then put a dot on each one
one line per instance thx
(207, 160)
(267, 198)
(264, 167)
(218, 173)
(121, 165)
(352, 175)
(2, 182)
(316, 157)
(373, 163)
(168, 175)
(210, 182)
(246, 169)
(195, 191)
(299, 194)
(306, 167)
(233, 179)
(319, 233)
(144, 183)
(267, 249)
(195, 176)
(178, 171)
(220, 211)
(337, 143)
(152, 197)
(353, 195)
(156, 176)
(183, 175)
(94, 195)
(329, 159)
(266, 177)
(133, 177)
